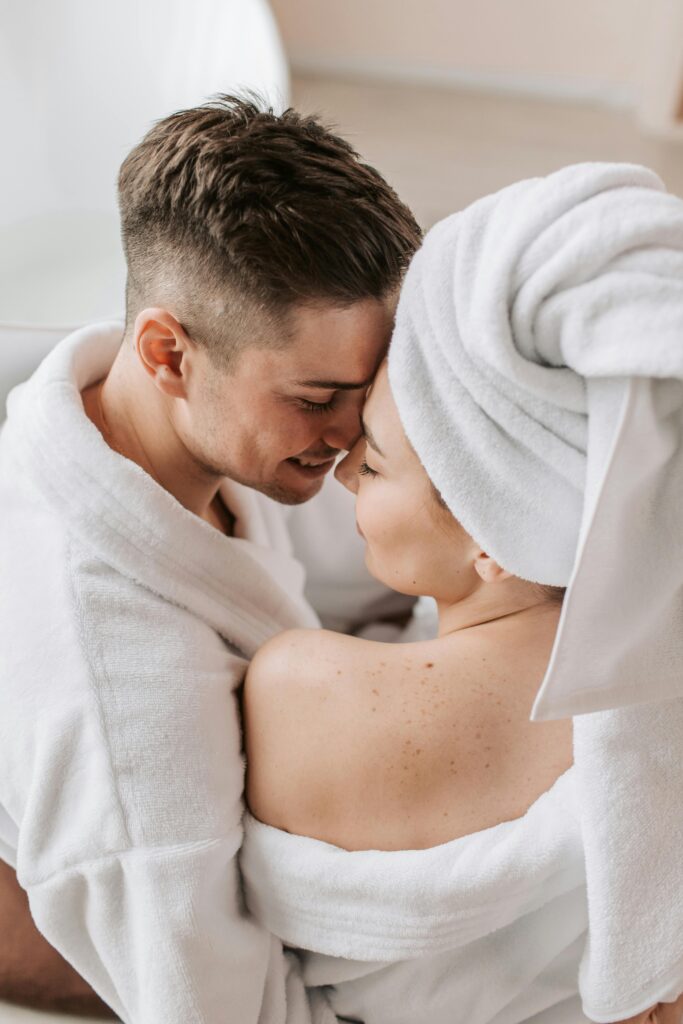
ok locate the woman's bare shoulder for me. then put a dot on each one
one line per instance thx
(314, 700)
(390, 746)
(325, 658)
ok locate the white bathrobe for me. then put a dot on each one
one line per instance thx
(125, 622)
(485, 929)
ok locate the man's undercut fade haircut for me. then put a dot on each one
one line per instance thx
(230, 209)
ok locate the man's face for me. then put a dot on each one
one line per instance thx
(277, 420)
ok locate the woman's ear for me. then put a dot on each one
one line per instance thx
(488, 570)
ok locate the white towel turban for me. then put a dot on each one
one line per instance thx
(537, 365)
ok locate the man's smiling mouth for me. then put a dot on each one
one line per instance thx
(312, 467)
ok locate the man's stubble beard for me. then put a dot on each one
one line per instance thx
(275, 491)
(271, 489)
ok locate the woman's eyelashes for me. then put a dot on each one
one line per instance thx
(365, 470)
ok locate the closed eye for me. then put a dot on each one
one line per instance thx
(318, 407)
(365, 470)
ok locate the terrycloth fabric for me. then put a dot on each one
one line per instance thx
(125, 625)
(534, 339)
(486, 928)
(537, 365)
(630, 784)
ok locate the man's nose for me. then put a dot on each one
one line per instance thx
(346, 471)
(343, 430)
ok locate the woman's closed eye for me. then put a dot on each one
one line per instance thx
(365, 470)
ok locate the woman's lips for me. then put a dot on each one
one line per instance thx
(359, 530)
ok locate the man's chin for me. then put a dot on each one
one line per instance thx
(286, 494)
(299, 485)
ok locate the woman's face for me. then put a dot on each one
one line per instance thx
(414, 545)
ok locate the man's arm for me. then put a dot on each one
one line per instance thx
(128, 845)
(32, 973)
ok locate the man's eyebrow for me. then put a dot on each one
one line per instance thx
(334, 385)
(367, 434)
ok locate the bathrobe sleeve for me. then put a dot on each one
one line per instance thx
(159, 934)
(130, 835)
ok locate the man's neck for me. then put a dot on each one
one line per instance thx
(135, 420)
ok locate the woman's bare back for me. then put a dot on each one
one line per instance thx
(405, 746)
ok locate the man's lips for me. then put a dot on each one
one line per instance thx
(310, 466)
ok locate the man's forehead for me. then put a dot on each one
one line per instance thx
(353, 319)
(339, 348)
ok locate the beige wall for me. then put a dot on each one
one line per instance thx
(575, 46)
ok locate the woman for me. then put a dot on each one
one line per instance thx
(537, 334)
(435, 736)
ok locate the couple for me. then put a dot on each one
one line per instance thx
(421, 841)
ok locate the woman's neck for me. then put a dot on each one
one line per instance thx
(493, 603)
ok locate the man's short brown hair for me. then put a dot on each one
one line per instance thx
(230, 206)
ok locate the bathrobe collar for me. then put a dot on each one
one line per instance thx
(246, 587)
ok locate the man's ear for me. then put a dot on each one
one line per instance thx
(488, 570)
(163, 348)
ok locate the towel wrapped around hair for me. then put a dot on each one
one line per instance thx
(537, 365)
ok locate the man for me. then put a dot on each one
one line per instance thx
(145, 559)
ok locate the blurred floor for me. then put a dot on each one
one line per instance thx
(441, 148)
(16, 1015)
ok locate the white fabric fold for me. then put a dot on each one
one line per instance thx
(537, 365)
(487, 927)
(536, 338)
(125, 625)
(629, 780)
(114, 506)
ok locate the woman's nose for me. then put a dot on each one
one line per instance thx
(346, 471)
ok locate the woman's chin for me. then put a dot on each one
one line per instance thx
(389, 577)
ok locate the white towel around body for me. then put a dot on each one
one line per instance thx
(537, 365)
(488, 928)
